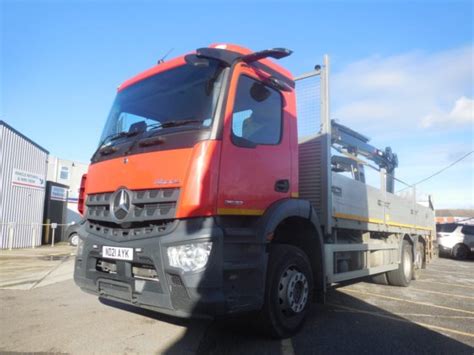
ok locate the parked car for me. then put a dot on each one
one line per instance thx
(455, 239)
(71, 233)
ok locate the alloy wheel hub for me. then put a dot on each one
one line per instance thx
(293, 291)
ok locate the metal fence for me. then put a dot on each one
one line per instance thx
(314, 137)
(16, 230)
(308, 104)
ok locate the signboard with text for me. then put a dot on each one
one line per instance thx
(58, 193)
(27, 179)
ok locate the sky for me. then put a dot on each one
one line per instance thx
(401, 71)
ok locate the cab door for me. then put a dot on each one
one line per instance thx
(255, 168)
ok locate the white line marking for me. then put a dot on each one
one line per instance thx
(442, 293)
(408, 301)
(446, 283)
(450, 272)
(435, 327)
(287, 347)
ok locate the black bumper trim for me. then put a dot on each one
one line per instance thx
(232, 281)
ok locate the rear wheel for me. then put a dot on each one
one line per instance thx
(403, 275)
(289, 290)
(419, 259)
(380, 279)
(460, 251)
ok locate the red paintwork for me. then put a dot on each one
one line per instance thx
(82, 195)
(212, 171)
(180, 61)
(199, 192)
(142, 171)
(249, 175)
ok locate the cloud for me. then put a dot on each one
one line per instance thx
(421, 104)
(461, 113)
(412, 90)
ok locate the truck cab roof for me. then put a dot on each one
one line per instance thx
(232, 51)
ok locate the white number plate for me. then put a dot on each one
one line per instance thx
(117, 253)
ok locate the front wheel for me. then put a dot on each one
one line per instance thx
(404, 274)
(74, 239)
(460, 251)
(288, 292)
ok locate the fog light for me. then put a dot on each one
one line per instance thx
(189, 257)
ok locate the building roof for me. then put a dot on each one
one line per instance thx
(469, 213)
(3, 123)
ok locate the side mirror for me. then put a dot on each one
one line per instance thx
(259, 92)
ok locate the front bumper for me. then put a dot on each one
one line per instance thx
(232, 281)
(444, 249)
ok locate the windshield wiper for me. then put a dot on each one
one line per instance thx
(112, 137)
(172, 123)
(149, 141)
(153, 140)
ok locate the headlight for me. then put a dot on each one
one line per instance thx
(80, 246)
(189, 257)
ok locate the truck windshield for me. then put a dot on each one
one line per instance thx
(185, 96)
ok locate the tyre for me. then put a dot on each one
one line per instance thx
(404, 274)
(460, 251)
(380, 279)
(419, 260)
(288, 291)
(74, 239)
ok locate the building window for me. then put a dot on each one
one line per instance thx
(64, 173)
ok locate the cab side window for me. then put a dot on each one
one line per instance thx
(257, 114)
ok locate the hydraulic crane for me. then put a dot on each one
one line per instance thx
(353, 144)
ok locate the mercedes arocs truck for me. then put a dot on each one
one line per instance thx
(207, 196)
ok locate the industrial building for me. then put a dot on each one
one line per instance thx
(464, 216)
(34, 185)
(23, 166)
(68, 172)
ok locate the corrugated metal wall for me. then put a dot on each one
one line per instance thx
(21, 205)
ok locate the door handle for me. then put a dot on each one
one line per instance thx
(282, 185)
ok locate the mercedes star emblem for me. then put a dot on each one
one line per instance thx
(121, 205)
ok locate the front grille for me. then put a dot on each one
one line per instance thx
(135, 231)
(145, 205)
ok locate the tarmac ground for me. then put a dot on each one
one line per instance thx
(44, 311)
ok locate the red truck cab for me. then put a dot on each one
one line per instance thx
(196, 171)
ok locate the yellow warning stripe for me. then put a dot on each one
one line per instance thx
(378, 221)
(358, 218)
(239, 211)
(259, 212)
